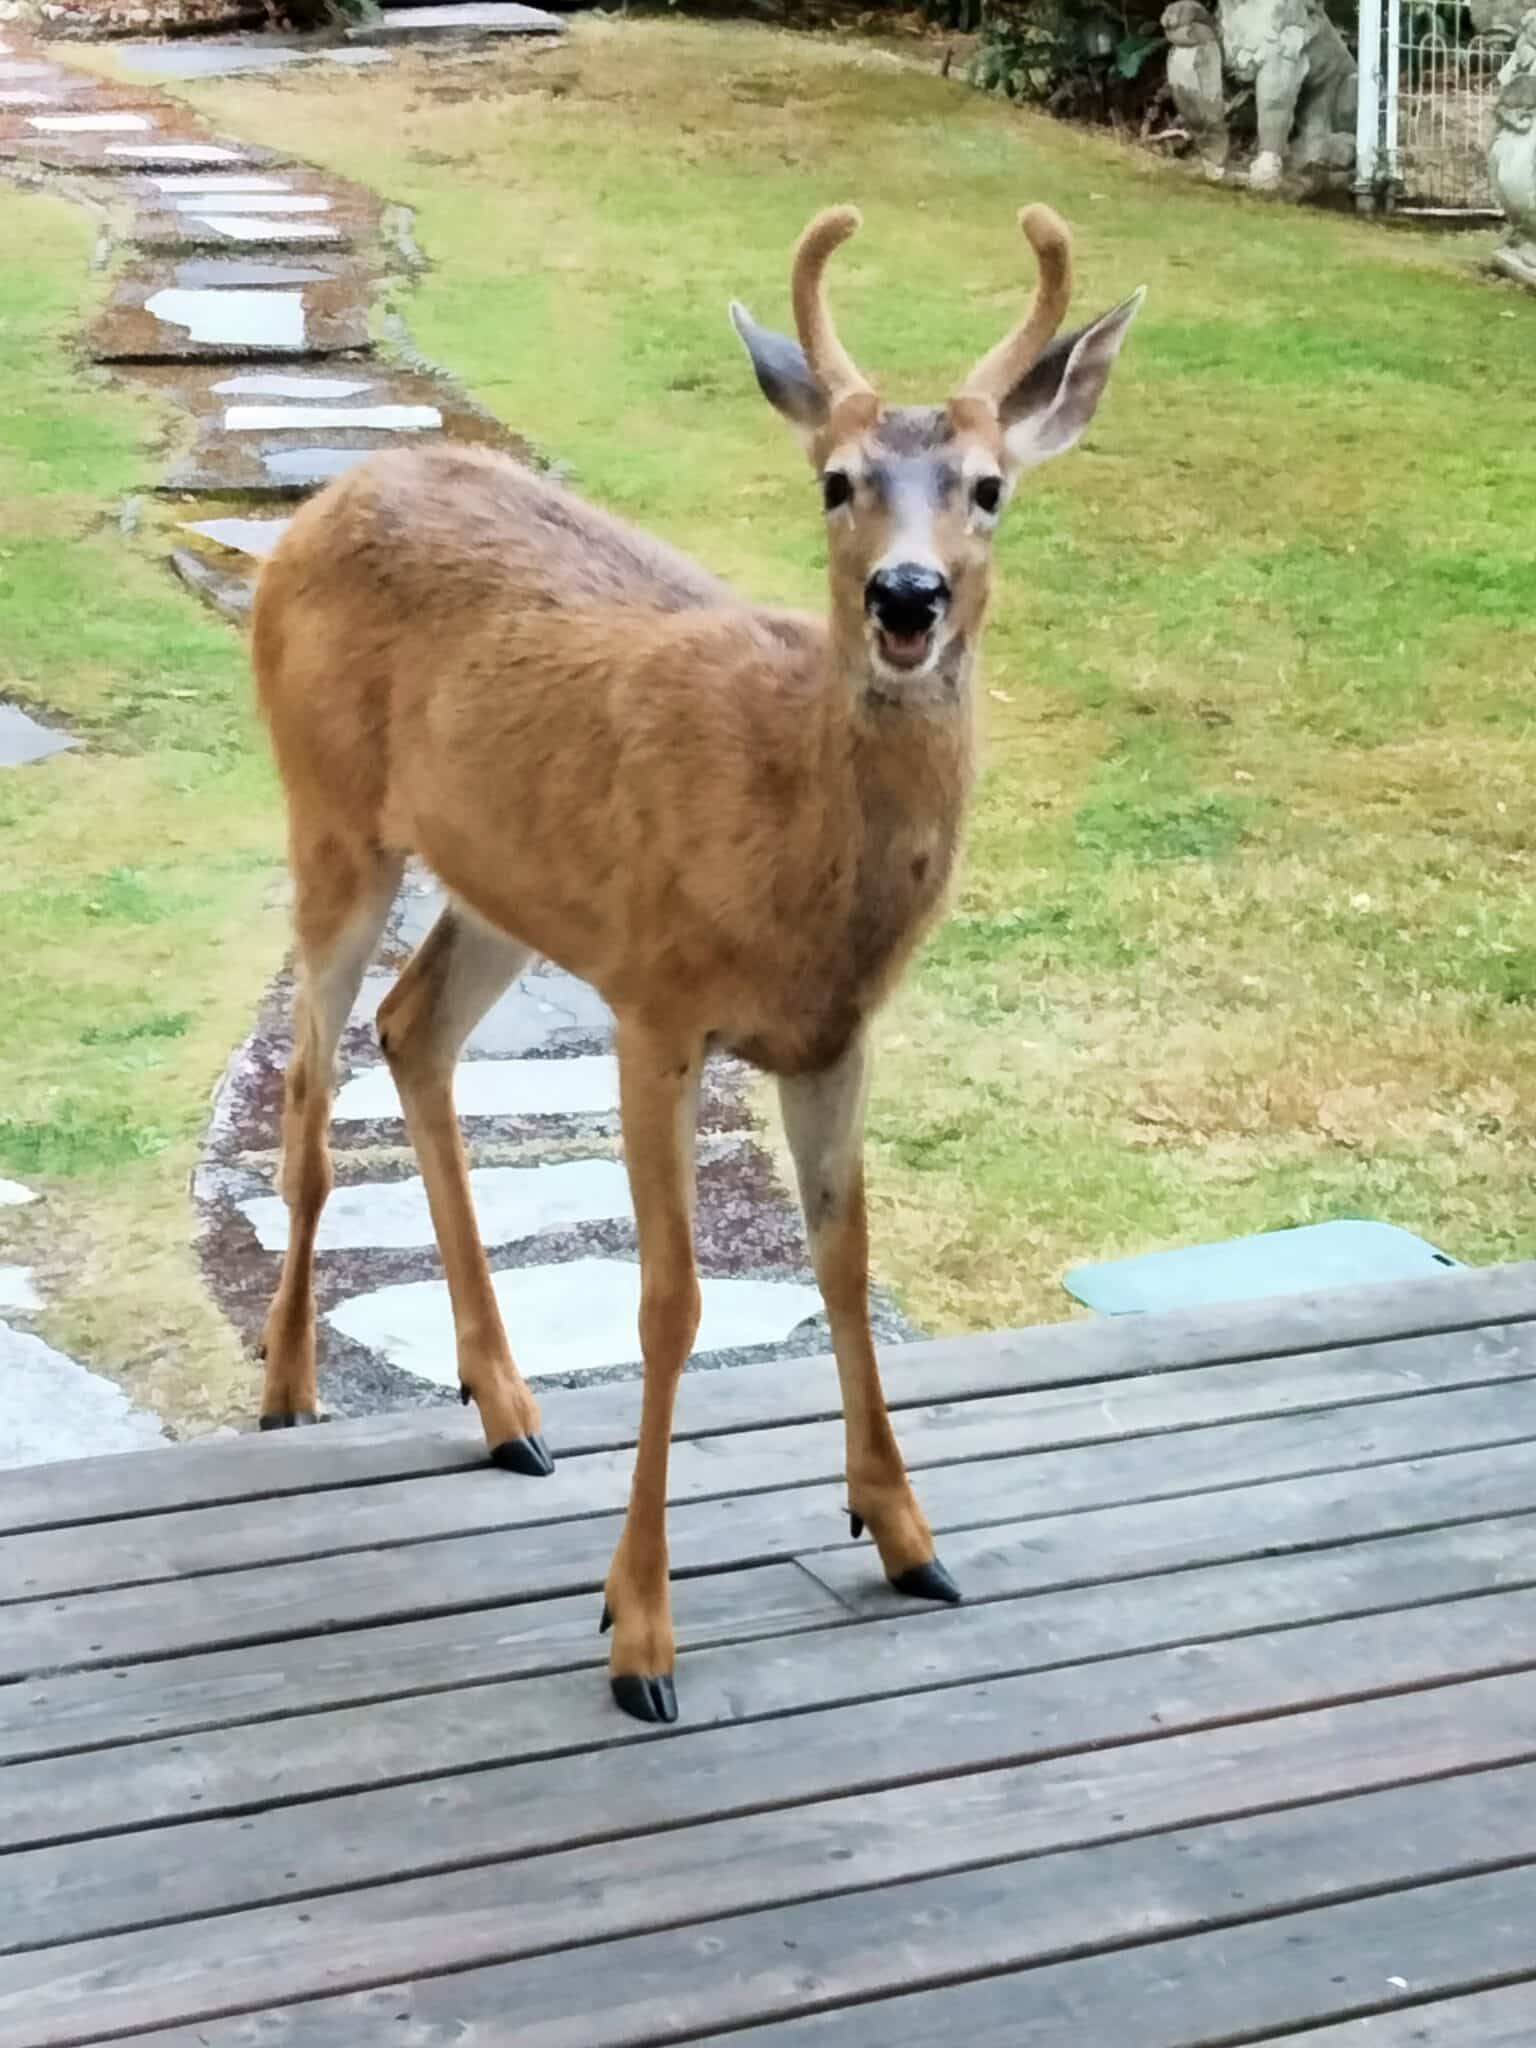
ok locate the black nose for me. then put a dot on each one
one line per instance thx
(907, 598)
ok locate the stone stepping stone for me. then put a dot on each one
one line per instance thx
(511, 1203)
(189, 59)
(253, 537)
(54, 1408)
(23, 739)
(272, 419)
(226, 583)
(329, 423)
(478, 19)
(242, 209)
(543, 1012)
(215, 273)
(90, 124)
(253, 202)
(94, 151)
(569, 1319)
(14, 1196)
(167, 313)
(585, 1086)
(16, 1288)
(145, 156)
(15, 99)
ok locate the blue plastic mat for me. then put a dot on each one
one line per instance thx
(1246, 1268)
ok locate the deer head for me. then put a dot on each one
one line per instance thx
(913, 494)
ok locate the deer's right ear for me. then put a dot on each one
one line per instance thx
(783, 375)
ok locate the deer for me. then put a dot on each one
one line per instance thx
(736, 823)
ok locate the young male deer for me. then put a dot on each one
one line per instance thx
(735, 823)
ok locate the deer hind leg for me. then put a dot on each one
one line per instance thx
(451, 980)
(342, 898)
(659, 1091)
(824, 1122)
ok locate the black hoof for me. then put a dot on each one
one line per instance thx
(607, 1621)
(647, 1699)
(855, 1525)
(302, 1420)
(465, 1396)
(928, 1581)
(526, 1454)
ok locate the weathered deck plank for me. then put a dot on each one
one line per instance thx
(1236, 1738)
(353, 1939)
(504, 1807)
(150, 1547)
(952, 1369)
(1487, 2019)
(722, 1530)
(1205, 1991)
(874, 1944)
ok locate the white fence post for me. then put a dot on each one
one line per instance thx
(1391, 170)
(1368, 107)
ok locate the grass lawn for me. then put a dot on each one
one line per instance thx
(1246, 935)
(138, 878)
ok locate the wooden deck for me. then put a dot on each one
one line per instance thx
(307, 1742)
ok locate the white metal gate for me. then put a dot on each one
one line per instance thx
(1428, 83)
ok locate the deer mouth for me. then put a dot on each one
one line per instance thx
(904, 652)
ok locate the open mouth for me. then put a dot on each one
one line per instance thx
(905, 651)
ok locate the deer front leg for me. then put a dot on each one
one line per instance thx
(824, 1122)
(658, 1096)
(450, 981)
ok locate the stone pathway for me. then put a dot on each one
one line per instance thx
(244, 270)
(237, 258)
(54, 1408)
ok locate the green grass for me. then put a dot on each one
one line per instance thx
(1246, 934)
(138, 899)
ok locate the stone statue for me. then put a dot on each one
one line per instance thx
(1195, 80)
(1302, 75)
(1493, 16)
(1512, 157)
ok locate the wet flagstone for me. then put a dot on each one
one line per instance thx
(511, 1202)
(23, 739)
(480, 18)
(95, 123)
(572, 1318)
(174, 145)
(54, 1408)
(205, 59)
(155, 314)
(253, 537)
(242, 209)
(286, 460)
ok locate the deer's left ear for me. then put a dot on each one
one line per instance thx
(1047, 411)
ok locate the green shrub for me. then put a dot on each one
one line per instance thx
(1097, 60)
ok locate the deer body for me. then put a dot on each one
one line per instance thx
(634, 824)
(736, 823)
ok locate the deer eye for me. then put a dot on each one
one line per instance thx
(836, 489)
(987, 495)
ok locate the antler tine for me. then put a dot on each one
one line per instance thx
(1002, 367)
(831, 365)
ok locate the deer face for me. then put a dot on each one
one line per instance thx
(912, 495)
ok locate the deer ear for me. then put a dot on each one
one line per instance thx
(783, 375)
(1047, 411)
